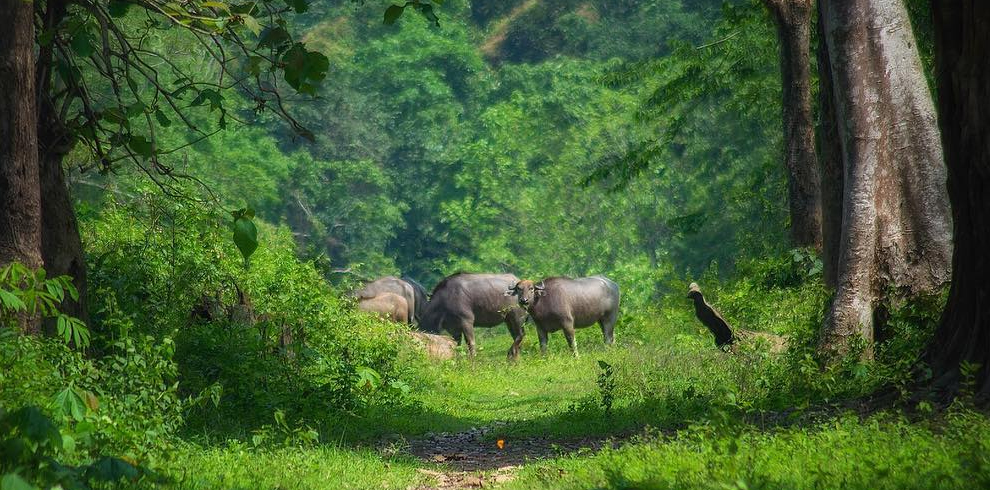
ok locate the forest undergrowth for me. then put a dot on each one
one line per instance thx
(304, 392)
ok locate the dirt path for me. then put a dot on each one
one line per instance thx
(474, 458)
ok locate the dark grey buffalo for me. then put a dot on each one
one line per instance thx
(464, 301)
(420, 296)
(394, 285)
(562, 303)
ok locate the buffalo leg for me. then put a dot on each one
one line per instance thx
(608, 327)
(468, 328)
(569, 335)
(518, 332)
(542, 334)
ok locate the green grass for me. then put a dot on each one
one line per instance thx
(689, 393)
(327, 466)
(883, 451)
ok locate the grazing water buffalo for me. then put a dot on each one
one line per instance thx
(389, 305)
(562, 303)
(420, 297)
(464, 301)
(394, 285)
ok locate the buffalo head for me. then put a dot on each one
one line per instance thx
(526, 291)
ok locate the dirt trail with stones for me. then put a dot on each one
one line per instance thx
(475, 459)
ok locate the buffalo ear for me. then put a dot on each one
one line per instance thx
(541, 289)
(512, 290)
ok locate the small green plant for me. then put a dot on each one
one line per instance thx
(606, 386)
(283, 434)
(30, 292)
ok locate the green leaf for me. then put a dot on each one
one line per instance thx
(11, 301)
(304, 69)
(82, 44)
(162, 119)
(426, 10)
(140, 145)
(273, 37)
(245, 236)
(11, 481)
(210, 95)
(392, 14)
(68, 402)
(118, 8)
(135, 109)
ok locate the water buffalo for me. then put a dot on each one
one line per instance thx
(389, 305)
(420, 297)
(464, 301)
(394, 285)
(562, 303)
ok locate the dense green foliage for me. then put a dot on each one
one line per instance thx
(461, 157)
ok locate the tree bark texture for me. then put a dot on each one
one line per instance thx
(20, 201)
(895, 233)
(830, 161)
(61, 246)
(962, 44)
(793, 20)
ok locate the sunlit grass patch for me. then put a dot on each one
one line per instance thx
(321, 467)
(883, 451)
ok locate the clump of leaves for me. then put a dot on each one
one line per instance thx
(606, 386)
(31, 444)
(32, 294)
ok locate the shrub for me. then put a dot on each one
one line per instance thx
(272, 336)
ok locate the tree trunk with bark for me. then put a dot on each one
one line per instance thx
(962, 43)
(793, 20)
(830, 161)
(61, 245)
(895, 237)
(20, 199)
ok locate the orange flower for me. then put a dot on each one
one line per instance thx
(500, 443)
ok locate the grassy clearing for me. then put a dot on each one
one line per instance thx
(684, 415)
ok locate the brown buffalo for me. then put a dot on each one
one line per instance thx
(562, 303)
(389, 305)
(394, 285)
(464, 301)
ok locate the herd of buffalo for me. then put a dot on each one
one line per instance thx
(463, 301)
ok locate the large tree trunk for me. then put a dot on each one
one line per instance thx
(793, 20)
(20, 205)
(962, 43)
(830, 161)
(896, 233)
(61, 245)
